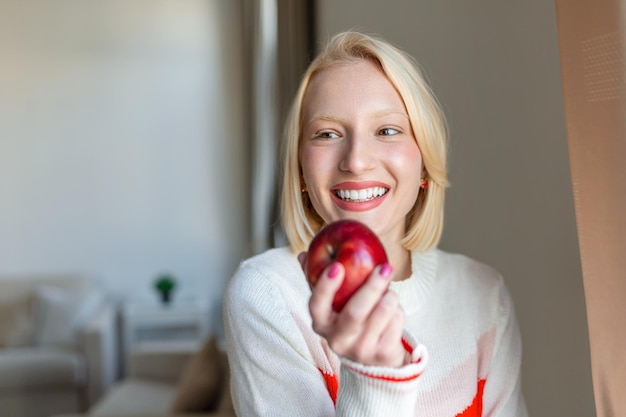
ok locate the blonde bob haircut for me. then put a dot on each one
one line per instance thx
(424, 222)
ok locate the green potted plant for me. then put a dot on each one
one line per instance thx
(165, 285)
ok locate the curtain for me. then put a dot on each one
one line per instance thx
(592, 42)
(279, 38)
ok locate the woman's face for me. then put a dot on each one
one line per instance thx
(358, 155)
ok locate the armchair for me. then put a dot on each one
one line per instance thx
(57, 345)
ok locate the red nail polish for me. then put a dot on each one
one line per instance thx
(333, 271)
(386, 270)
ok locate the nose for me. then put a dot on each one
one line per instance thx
(358, 155)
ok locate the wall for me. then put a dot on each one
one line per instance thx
(495, 67)
(121, 145)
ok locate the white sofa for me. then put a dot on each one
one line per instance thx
(181, 380)
(58, 345)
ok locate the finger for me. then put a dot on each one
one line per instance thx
(322, 294)
(361, 304)
(302, 257)
(390, 349)
(380, 318)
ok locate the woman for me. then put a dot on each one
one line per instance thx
(430, 333)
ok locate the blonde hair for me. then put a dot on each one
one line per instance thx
(425, 220)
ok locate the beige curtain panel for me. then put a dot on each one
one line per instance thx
(592, 41)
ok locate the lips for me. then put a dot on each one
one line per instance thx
(359, 196)
(364, 194)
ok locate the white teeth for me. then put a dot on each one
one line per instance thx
(361, 195)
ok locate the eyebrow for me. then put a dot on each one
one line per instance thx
(334, 118)
(384, 113)
(325, 117)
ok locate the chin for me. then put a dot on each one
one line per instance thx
(369, 221)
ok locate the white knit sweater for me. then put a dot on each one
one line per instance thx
(467, 362)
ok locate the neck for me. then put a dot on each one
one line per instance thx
(400, 260)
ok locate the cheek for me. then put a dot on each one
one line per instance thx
(408, 162)
(316, 164)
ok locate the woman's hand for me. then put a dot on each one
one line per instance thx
(368, 330)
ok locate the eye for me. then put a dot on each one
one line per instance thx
(325, 134)
(388, 131)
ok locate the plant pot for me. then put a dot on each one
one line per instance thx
(166, 297)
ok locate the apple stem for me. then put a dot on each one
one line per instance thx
(330, 251)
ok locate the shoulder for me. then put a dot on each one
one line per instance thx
(272, 275)
(467, 271)
(272, 260)
(478, 283)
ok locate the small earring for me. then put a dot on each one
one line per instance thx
(303, 188)
(424, 183)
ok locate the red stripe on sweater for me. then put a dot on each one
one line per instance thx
(476, 408)
(388, 378)
(332, 385)
(407, 347)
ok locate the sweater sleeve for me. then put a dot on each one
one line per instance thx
(381, 391)
(503, 392)
(274, 373)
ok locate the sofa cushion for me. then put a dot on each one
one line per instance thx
(32, 367)
(14, 287)
(200, 385)
(162, 361)
(134, 397)
(17, 304)
(225, 405)
(60, 312)
(16, 321)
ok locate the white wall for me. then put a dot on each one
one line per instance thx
(495, 67)
(121, 142)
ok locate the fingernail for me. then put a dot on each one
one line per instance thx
(301, 256)
(334, 270)
(386, 270)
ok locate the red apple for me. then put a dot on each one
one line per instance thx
(352, 244)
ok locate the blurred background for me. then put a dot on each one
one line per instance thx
(138, 138)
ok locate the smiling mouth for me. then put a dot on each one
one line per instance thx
(362, 195)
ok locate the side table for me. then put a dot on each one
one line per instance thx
(146, 325)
